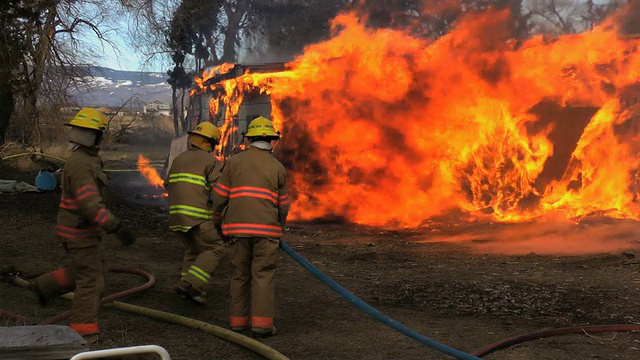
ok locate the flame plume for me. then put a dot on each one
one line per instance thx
(382, 128)
(150, 173)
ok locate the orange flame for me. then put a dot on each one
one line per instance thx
(382, 128)
(150, 173)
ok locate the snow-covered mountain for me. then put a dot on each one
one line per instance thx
(107, 87)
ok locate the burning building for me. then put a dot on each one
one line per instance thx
(382, 128)
(234, 110)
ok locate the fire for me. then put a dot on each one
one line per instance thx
(150, 173)
(382, 128)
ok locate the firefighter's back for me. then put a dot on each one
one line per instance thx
(255, 178)
(189, 184)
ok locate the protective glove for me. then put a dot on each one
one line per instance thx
(125, 236)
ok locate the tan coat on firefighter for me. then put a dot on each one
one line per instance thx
(252, 195)
(189, 183)
(82, 220)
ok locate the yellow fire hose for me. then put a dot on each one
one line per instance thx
(236, 338)
(32, 153)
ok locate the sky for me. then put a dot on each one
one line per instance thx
(126, 58)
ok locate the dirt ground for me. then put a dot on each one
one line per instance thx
(456, 289)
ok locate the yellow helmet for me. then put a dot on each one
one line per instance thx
(90, 118)
(207, 130)
(261, 126)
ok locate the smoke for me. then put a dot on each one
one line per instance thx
(551, 237)
(262, 53)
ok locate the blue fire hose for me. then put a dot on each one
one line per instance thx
(457, 354)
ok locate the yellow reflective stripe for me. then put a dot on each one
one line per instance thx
(183, 228)
(199, 273)
(189, 178)
(194, 176)
(191, 211)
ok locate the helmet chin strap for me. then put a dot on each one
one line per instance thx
(99, 138)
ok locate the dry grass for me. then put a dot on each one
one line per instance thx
(123, 155)
(129, 153)
(127, 137)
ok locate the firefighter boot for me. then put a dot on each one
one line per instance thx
(262, 332)
(187, 290)
(240, 328)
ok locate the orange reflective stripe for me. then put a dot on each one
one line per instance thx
(69, 204)
(237, 321)
(221, 189)
(86, 191)
(102, 216)
(283, 199)
(60, 277)
(256, 229)
(261, 226)
(254, 189)
(252, 232)
(262, 322)
(85, 329)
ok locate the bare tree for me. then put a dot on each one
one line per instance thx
(48, 41)
(568, 16)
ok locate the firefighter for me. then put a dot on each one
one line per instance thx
(82, 221)
(189, 183)
(253, 193)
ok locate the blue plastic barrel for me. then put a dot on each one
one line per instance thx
(46, 181)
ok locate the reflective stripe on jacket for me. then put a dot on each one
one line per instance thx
(83, 217)
(253, 194)
(189, 182)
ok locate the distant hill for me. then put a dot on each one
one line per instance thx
(108, 87)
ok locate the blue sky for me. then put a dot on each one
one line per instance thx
(126, 58)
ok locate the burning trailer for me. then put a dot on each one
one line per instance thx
(207, 103)
(384, 129)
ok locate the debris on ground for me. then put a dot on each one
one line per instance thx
(13, 186)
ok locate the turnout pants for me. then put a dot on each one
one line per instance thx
(203, 250)
(84, 275)
(254, 262)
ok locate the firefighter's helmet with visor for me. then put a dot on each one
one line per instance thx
(261, 127)
(90, 118)
(207, 130)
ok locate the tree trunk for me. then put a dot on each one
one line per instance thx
(182, 106)
(229, 46)
(6, 109)
(234, 17)
(174, 99)
(35, 77)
